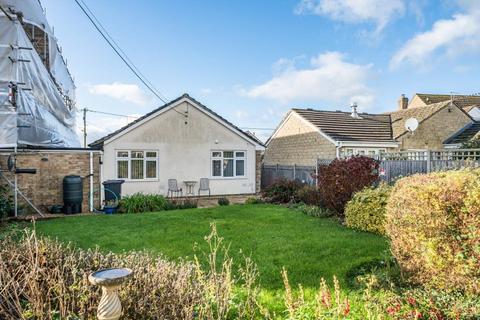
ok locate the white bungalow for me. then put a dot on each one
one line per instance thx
(186, 141)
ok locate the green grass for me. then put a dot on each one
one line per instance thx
(275, 237)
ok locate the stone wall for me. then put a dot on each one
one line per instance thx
(45, 188)
(296, 142)
(433, 131)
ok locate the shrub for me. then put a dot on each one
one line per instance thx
(314, 211)
(309, 195)
(187, 204)
(253, 200)
(366, 210)
(339, 180)
(223, 201)
(141, 202)
(282, 191)
(44, 279)
(6, 203)
(433, 222)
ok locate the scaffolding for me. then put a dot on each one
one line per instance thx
(37, 93)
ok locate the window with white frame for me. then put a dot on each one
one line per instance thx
(137, 164)
(228, 164)
(348, 152)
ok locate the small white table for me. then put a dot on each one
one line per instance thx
(189, 185)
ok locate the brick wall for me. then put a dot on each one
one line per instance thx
(258, 170)
(298, 143)
(433, 131)
(45, 187)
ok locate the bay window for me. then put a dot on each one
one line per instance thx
(228, 164)
(137, 164)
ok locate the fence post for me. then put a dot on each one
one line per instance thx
(294, 171)
(276, 170)
(429, 161)
(316, 172)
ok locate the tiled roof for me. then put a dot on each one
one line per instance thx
(99, 143)
(464, 135)
(460, 100)
(399, 117)
(341, 126)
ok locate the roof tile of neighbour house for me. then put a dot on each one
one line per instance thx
(399, 117)
(462, 101)
(464, 135)
(341, 126)
(99, 143)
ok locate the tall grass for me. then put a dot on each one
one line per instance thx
(44, 279)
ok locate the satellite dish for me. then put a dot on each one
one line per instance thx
(411, 124)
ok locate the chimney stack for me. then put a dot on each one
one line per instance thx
(402, 102)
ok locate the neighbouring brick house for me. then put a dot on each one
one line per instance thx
(305, 135)
(45, 188)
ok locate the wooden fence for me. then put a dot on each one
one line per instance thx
(392, 165)
(399, 164)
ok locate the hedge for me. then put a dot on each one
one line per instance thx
(433, 222)
(366, 210)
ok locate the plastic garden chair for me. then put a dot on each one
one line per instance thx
(173, 188)
(204, 185)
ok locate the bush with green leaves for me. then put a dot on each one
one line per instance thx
(142, 202)
(6, 203)
(366, 211)
(433, 221)
(253, 200)
(282, 191)
(310, 210)
(309, 195)
(223, 201)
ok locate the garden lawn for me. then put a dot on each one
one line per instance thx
(275, 237)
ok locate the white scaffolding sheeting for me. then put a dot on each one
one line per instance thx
(45, 95)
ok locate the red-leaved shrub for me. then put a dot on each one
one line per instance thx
(340, 179)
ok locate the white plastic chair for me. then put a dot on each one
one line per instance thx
(204, 185)
(173, 188)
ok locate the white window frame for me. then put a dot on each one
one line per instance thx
(235, 158)
(129, 160)
(356, 151)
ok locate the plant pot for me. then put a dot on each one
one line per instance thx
(109, 209)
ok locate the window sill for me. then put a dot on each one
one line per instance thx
(228, 178)
(139, 180)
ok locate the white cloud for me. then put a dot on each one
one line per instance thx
(206, 91)
(241, 114)
(453, 36)
(379, 12)
(330, 78)
(122, 91)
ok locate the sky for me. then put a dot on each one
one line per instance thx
(251, 61)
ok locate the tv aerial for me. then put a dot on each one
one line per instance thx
(411, 124)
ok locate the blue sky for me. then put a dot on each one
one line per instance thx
(251, 61)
